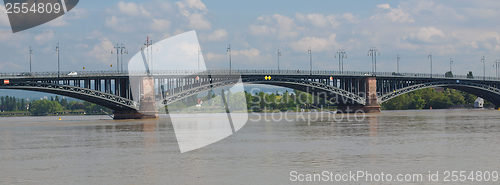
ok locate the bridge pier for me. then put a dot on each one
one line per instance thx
(371, 105)
(147, 104)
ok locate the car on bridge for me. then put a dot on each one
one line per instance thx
(24, 74)
(74, 73)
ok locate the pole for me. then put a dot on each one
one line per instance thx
(228, 51)
(310, 61)
(373, 53)
(279, 54)
(483, 59)
(58, 61)
(398, 58)
(430, 59)
(31, 53)
(451, 63)
(199, 58)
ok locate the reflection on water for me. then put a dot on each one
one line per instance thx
(96, 150)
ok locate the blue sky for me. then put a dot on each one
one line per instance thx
(464, 30)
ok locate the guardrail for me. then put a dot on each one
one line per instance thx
(240, 72)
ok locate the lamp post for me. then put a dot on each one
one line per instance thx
(58, 61)
(451, 63)
(497, 65)
(397, 61)
(31, 53)
(310, 61)
(430, 60)
(373, 53)
(483, 60)
(341, 54)
(120, 50)
(228, 52)
(278, 55)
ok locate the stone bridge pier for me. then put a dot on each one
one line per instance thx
(147, 103)
(372, 105)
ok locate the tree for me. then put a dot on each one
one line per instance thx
(469, 75)
(44, 107)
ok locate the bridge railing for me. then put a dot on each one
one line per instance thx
(240, 72)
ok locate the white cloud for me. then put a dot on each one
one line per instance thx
(350, 18)
(214, 56)
(132, 9)
(318, 20)
(384, 6)
(4, 20)
(316, 44)
(198, 21)
(160, 25)
(392, 14)
(217, 35)
(119, 24)
(101, 51)
(427, 35)
(44, 36)
(281, 26)
(250, 53)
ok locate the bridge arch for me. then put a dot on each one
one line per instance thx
(110, 101)
(487, 92)
(314, 88)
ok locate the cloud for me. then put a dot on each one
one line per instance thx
(194, 11)
(217, 35)
(44, 36)
(214, 56)
(318, 20)
(101, 51)
(316, 44)
(198, 21)
(9, 66)
(281, 26)
(4, 20)
(427, 35)
(160, 24)
(384, 6)
(119, 24)
(349, 17)
(250, 53)
(132, 9)
(392, 14)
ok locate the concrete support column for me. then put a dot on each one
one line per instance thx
(371, 95)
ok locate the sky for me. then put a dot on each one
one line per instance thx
(458, 29)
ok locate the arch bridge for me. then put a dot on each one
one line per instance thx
(357, 90)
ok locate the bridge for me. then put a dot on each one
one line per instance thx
(355, 90)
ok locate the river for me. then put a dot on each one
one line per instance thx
(98, 150)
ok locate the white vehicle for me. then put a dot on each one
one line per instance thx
(72, 73)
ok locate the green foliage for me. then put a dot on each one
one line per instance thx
(44, 107)
(426, 98)
(469, 75)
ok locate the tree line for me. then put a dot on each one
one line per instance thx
(52, 105)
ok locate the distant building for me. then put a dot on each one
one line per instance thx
(479, 103)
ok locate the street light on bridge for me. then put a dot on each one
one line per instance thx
(497, 65)
(278, 55)
(341, 54)
(451, 63)
(58, 62)
(228, 52)
(373, 53)
(310, 61)
(397, 61)
(31, 54)
(483, 60)
(120, 50)
(430, 60)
